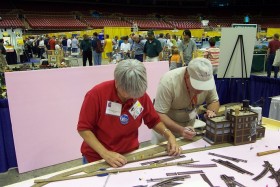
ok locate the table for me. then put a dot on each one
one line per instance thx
(258, 62)
(11, 57)
(247, 152)
(71, 61)
(274, 110)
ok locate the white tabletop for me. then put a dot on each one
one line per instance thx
(247, 152)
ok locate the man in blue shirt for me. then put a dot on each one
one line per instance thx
(138, 47)
(152, 49)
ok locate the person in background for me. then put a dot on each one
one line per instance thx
(75, 45)
(36, 46)
(3, 61)
(86, 50)
(166, 52)
(64, 44)
(138, 47)
(97, 55)
(57, 46)
(125, 48)
(108, 47)
(113, 111)
(162, 40)
(174, 40)
(187, 48)
(41, 47)
(120, 43)
(130, 39)
(178, 41)
(213, 53)
(46, 42)
(52, 43)
(175, 60)
(273, 45)
(152, 48)
(69, 41)
(180, 93)
(116, 44)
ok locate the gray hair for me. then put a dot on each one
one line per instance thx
(130, 76)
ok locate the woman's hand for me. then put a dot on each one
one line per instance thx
(173, 149)
(114, 159)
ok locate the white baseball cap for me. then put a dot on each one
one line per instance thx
(201, 74)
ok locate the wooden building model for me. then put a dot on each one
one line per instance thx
(237, 127)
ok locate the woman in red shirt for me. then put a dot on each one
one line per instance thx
(113, 111)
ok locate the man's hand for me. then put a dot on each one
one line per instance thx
(173, 149)
(188, 133)
(114, 159)
(209, 114)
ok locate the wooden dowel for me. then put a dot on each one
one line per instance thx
(268, 152)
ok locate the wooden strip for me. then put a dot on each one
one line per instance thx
(142, 155)
(113, 171)
(268, 152)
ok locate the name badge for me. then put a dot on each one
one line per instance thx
(192, 114)
(113, 108)
(136, 109)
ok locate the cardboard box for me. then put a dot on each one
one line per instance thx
(54, 59)
(50, 52)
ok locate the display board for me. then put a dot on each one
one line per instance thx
(236, 43)
(45, 105)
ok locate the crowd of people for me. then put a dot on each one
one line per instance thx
(178, 51)
(149, 48)
(36, 47)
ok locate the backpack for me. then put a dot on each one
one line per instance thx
(99, 48)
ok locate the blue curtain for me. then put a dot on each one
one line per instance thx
(253, 89)
(264, 87)
(7, 148)
(232, 90)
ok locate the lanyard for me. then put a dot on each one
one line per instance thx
(193, 99)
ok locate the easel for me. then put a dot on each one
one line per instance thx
(243, 61)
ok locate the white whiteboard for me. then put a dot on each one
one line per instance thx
(229, 36)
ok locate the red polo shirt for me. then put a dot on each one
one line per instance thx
(52, 44)
(273, 45)
(108, 129)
